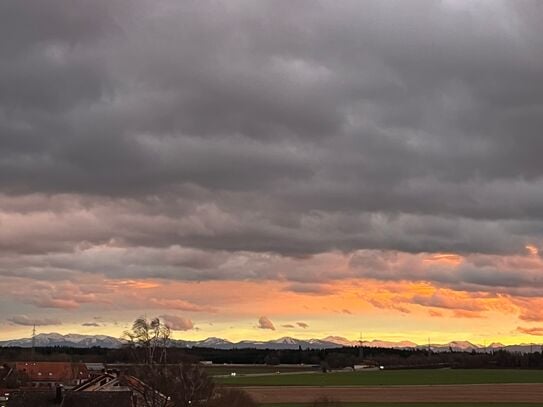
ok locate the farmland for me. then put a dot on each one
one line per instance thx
(415, 405)
(415, 388)
(458, 394)
(391, 378)
(241, 370)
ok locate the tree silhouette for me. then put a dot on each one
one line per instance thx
(150, 336)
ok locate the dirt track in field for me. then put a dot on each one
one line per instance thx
(514, 393)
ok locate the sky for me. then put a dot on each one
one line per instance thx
(257, 169)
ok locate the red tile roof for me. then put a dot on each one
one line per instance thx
(53, 371)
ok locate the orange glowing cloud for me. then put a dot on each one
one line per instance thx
(531, 309)
(138, 284)
(448, 258)
(533, 250)
(461, 313)
(413, 287)
(180, 305)
(531, 331)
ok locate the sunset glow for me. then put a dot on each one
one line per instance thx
(340, 168)
(532, 250)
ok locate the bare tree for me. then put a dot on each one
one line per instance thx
(150, 336)
(160, 385)
(183, 385)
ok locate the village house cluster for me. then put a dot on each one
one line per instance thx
(65, 384)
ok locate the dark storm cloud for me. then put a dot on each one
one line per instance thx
(288, 127)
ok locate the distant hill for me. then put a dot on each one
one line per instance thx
(330, 342)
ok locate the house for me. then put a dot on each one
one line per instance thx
(51, 374)
(57, 398)
(34, 398)
(105, 381)
(4, 397)
(108, 389)
(98, 398)
(5, 376)
(111, 382)
(95, 369)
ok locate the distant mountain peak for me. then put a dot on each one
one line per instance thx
(211, 341)
(286, 342)
(463, 345)
(496, 345)
(340, 340)
(285, 339)
(69, 340)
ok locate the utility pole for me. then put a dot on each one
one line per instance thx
(360, 348)
(33, 341)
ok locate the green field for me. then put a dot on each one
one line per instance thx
(391, 377)
(218, 370)
(416, 405)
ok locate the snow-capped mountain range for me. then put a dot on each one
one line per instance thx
(71, 340)
(87, 341)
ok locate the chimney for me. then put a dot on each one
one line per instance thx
(58, 393)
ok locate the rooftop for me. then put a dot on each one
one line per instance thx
(53, 371)
(98, 398)
(33, 398)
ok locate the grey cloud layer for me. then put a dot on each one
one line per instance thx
(294, 128)
(26, 321)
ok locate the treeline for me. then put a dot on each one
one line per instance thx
(324, 358)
